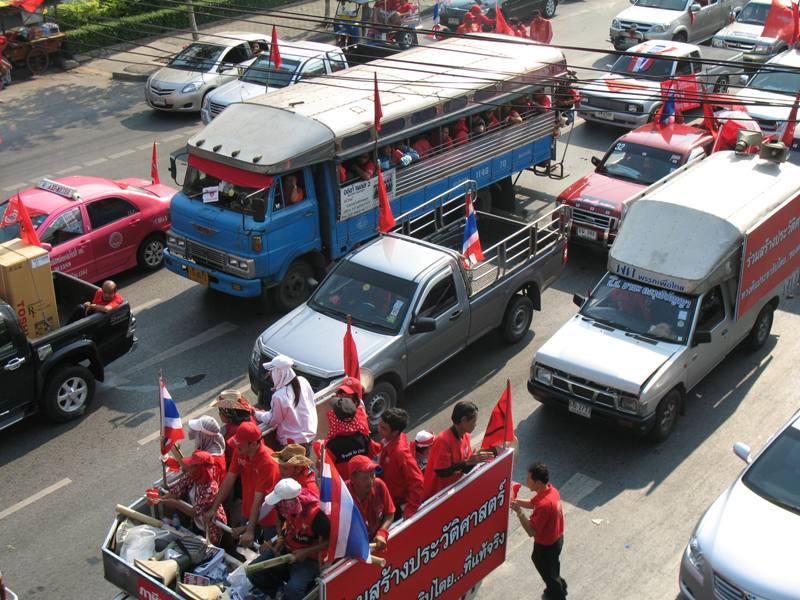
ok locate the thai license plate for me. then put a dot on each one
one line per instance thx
(604, 115)
(580, 408)
(586, 234)
(197, 275)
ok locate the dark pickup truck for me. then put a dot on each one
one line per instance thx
(56, 373)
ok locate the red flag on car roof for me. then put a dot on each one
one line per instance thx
(791, 123)
(351, 366)
(274, 51)
(500, 429)
(385, 217)
(709, 120)
(17, 214)
(779, 22)
(378, 109)
(500, 24)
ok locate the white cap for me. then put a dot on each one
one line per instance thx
(279, 362)
(285, 489)
(424, 438)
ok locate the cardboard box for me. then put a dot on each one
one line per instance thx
(26, 283)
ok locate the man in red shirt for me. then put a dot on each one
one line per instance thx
(541, 30)
(546, 527)
(105, 299)
(372, 498)
(294, 464)
(253, 461)
(451, 454)
(401, 474)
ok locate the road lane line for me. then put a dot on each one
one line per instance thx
(71, 169)
(144, 147)
(172, 138)
(31, 499)
(121, 154)
(198, 340)
(96, 161)
(15, 187)
(577, 488)
(146, 305)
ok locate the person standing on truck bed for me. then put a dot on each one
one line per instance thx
(400, 470)
(546, 527)
(451, 454)
(373, 499)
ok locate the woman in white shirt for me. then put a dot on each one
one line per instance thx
(293, 414)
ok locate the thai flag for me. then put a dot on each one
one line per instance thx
(665, 115)
(171, 426)
(349, 537)
(471, 247)
(436, 26)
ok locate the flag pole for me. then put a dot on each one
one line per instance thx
(161, 430)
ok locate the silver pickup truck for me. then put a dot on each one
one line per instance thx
(413, 301)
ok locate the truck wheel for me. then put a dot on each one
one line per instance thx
(150, 255)
(293, 290)
(721, 85)
(759, 334)
(666, 416)
(382, 396)
(517, 320)
(680, 36)
(549, 9)
(69, 391)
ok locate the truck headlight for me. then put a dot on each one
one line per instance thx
(763, 48)
(658, 28)
(240, 266)
(176, 244)
(695, 556)
(718, 42)
(615, 24)
(543, 375)
(190, 87)
(628, 403)
(634, 108)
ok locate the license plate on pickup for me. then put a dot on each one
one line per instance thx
(197, 275)
(580, 408)
(586, 234)
(604, 115)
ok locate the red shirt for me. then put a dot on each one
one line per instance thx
(258, 474)
(220, 467)
(446, 451)
(547, 518)
(375, 507)
(423, 147)
(116, 301)
(541, 30)
(230, 431)
(401, 474)
(308, 481)
(307, 528)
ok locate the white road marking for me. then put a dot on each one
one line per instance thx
(96, 161)
(198, 340)
(146, 305)
(172, 138)
(144, 147)
(121, 154)
(577, 488)
(31, 499)
(71, 169)
(16, 186)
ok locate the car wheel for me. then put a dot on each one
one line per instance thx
(150, 255)
(680, 36)
(517, 320)
(382, 396)
(759, 334)
(69, 391)
(549, 9)
(721, 85)
(407, 39)
(293, 290)
(666, 416)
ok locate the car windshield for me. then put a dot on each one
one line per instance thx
(754, 14)
(641, 309)
(775, 475)
(665, 4)
(197, 57)
(263, 72)
(780, 82)
(646, 67)
(228, 196)
(642, 164)
(376, 301)
(11, 231)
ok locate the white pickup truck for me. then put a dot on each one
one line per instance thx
(630, 94)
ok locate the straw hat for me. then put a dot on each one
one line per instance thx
(231, 400)
(293, 455)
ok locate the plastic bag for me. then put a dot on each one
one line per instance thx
(140, 543)
(239, 584)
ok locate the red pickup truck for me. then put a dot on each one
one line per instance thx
(633, 162)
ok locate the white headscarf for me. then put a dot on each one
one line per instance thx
(205, 431)
(280, 369)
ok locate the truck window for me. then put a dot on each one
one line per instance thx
(289, 190)
(66, 226)
(313, 68)
(683, 68)
(237, 54)
(230, 196)
(108, 210)
(440, 298)
(6, 343)
(338, 61)
(712, 310)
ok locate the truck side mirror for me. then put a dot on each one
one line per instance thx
(179, 155)
(578, 300)
(702, 337)
(422, 325)
(742, 450)
(743, 78)
(259, 208)
(312, 284)
(596, 161)
(695, 8)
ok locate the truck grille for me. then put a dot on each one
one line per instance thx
(585, 389)
(746, 46)
(640, 27)
(161, 91)
(215, 108)
(203, 255)
(581, 216)
(589, 102)
(724, 590)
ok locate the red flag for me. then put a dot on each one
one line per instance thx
(378, 109)
(274, 51)
(515, 488)
(788, 134)
(154, 166)
(501, 25)
(500, 429)
(795, 23)
(779, 23)
(29, 5)
(17, 213)
(709, 120)
(351, 367)
(385, 217)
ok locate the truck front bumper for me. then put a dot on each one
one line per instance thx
(559, 399)
(620, 118)
(216, 280)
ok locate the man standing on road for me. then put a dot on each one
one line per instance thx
(546, 527)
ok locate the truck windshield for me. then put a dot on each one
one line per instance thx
(781, 82)
(376, 301)
(753, 13)
(665, 4)
(774, 475)
(643, 66)
(205, 188)
(197, 57)
(263, 72)
(638, 163)
(640, 309)
(11, 231)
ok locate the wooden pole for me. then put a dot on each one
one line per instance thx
(192, 20)
(161, 429)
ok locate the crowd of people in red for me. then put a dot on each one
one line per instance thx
(476, 21)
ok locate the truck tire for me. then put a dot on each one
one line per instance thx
(721, 85)
(293, 290)
(759, 334)
(680, 36)
(666, 416)
(549, 9)
(150, 255)
(70, 389)
(382, 396)
(517, 320)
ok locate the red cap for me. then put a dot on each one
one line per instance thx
(198, 457)
(246, 433)
(361, 463)
(475, 10)
(351, 386)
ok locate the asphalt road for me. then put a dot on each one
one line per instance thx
(630, 506)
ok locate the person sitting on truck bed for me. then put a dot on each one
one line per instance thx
(363, 167)
(348, 428)
(373, 499)
(400, 470)
(105, 299)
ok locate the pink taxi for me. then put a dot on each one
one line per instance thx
(96, 227)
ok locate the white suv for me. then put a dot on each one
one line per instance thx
(745, 33)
